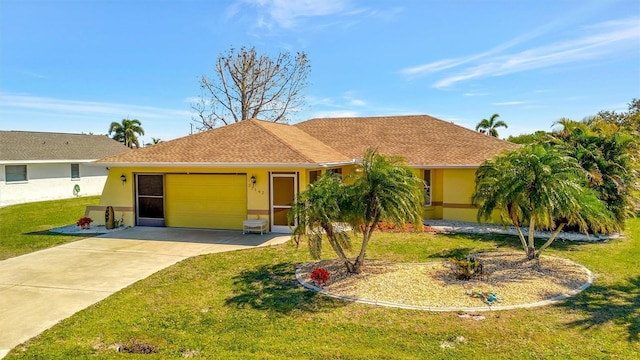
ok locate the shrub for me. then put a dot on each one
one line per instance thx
(466, 269)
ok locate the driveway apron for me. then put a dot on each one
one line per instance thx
(39, 289)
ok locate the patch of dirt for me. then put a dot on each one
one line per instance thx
(514, 280)
(136, 346)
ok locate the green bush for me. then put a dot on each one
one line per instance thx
(466, 268)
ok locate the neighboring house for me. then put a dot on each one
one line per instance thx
(254, 169)
(37, 166)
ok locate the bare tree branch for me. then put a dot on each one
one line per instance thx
(247, 86)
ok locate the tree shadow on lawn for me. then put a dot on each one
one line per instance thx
(275, 288)
(618, 304)
(506, 243)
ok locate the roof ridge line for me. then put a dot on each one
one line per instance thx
(281, 140)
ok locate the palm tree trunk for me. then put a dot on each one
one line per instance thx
(521, 236)
(337, 248)
(366, 235)
(551, 238)
(531, 250)
(516, 224)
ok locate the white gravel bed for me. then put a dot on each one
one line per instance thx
(475, 228)
(75, 229)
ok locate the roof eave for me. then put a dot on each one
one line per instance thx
(27, 162)
(222, 164)
(445, 166)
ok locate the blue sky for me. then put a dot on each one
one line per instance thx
(73, 66)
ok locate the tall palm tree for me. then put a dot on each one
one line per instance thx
(541, 187)
(489, 126)
(387, 190)
(317, 210)
(126, 131)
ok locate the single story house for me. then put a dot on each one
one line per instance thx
(254, 169)
(38, 166)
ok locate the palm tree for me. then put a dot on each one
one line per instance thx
(387, 190)
(154, 141)
(542, 187)
(126, 131)
(489, 126)
(384, 190)
(607, 154)
(317, 210)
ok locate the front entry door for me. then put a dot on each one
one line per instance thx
(150, 200)
(284, 188)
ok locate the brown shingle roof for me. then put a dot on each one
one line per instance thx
(46, 146)
(249, 141)
(422, 140)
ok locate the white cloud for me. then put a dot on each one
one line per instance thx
(474, 94)
(289, 14)
(352, 100)
(335, 114)
(37, 113)
(34, 74)
(86, 108)
(596, 41)
(509, 103)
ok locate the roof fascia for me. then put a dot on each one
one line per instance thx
(444, 166)
(221, 165)
(27, 162)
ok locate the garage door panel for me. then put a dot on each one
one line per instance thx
(206, 201)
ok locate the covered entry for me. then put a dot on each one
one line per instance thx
(210, 201)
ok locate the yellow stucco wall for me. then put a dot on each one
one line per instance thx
(458, 185)
(122, 196)
(451, 191)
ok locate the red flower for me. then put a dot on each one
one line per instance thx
(84, 222)
(320, 276)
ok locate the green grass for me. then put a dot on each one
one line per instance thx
(24, 228)
(247, 305)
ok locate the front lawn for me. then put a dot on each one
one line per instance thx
(24, 228)
(247, 305)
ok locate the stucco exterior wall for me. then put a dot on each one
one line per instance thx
(122, 195)
(451, 191)
(458, 186)
(51, 181)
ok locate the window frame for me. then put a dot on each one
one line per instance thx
(14, 181)
(428, 187)
(77, 177)
(314, 175)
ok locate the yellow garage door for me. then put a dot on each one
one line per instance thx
(205, 201)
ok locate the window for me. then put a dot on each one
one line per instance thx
(335, 171)
(314, 176)
(75, 171)
(427, 187)
(15, 173)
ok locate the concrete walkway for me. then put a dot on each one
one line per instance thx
(39, 289)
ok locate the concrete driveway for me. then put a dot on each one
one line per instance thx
(38, 290)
